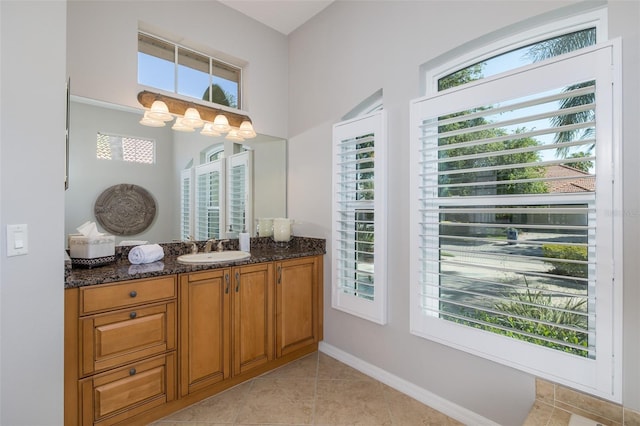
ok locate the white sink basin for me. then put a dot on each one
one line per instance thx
(214, 257)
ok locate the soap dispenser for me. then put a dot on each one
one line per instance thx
(244, 241)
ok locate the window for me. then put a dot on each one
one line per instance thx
(178, 69)
(123, 148)
(239, 206)
(513, 243)
(209, 200)
(186, 204)
(359, 214)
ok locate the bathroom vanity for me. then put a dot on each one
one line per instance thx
(143, 341)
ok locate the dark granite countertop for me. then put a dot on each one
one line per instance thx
(263, 249)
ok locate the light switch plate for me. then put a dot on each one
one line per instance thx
(17, 240)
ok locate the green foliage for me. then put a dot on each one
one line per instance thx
(465, 75)
(219, 96)
(530, 314)
(556, 251)
(582, 165)
(501, 175)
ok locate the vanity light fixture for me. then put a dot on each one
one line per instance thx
(246, 130)
(151, 122)
(192, 118)
(194, 115)
(221, 124)
(233, 135)
(208, 130)
(160, 111)
(181, 126)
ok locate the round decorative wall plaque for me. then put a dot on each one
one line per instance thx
(125, 209)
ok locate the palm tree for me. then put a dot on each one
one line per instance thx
(559, 46)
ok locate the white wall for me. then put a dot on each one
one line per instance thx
(340, 57)
(32, 57)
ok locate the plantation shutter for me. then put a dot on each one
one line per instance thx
(209, 203)
(359, 215)
(240, 190)
(186, 204)
(511, 243)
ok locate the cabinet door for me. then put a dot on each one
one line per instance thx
(297, 304)
(204, 329)
(253, 342)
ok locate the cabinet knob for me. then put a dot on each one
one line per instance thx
(132, 371)
(133, 293)
(132, 315)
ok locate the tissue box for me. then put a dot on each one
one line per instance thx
(81, 247)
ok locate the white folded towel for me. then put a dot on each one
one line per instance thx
(146, 254)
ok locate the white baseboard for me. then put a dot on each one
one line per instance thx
(432, 400)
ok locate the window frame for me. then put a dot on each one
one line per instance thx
(214, 63)
(498, 43)
(601, 377)
(374, 310)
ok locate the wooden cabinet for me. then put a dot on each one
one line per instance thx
(120, 350)
(298, 304)
(226, 324)
(138, 350)
(205, 318)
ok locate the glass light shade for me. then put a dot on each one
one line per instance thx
(208, 130)
(233, 135)
(246, 130)
(192, 118)
(160, 111)
(151, 122)
(221, 124)
(181, 127)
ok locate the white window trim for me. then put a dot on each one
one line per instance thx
(434, 70)
(376, 310)
(217, 166)
(243, 159)
(601, 377)
(187, 201)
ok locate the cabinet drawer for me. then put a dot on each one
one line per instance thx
(128, 293)
(112, 397)
(115, 338)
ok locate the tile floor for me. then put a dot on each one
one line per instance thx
(314, 390)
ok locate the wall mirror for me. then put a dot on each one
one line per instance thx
(157, 167)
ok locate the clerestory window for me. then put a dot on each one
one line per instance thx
(513, 244)
(178, 69)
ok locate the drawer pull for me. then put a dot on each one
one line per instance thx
(279, 274)
(132, 315)
(132, 372)
(133, 293)
(226, 278)
(237, 281)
